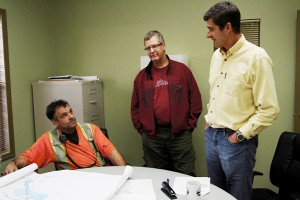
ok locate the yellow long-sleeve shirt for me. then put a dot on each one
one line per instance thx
(242, 89)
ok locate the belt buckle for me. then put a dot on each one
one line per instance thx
(229, 130)
(220, 129)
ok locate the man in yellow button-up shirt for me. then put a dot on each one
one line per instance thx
(242, 102)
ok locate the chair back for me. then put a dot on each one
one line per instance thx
(105, 132)
(285, 167)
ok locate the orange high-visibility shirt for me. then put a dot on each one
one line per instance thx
(41, 152)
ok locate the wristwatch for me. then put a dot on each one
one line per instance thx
(239, 136)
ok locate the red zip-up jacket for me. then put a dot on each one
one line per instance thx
(184, 99)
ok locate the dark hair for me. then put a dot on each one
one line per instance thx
(224, 12)
(50, 111)
(150, 34)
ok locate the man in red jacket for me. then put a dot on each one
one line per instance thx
(165, 107)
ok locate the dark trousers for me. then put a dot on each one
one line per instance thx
(164, 152)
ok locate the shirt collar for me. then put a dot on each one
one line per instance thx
(149, 66)
(235, 47)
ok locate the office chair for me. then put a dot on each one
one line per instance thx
(105, 132)
(284, 171)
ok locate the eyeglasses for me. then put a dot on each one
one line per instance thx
(152, 47)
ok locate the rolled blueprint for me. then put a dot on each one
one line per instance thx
(9, 178)
(126, 174)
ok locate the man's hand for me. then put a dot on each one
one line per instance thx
(206, 126)
(233, 138)
(11, 167)
(14, 165)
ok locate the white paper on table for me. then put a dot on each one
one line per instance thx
(134, 197)
(181, 182)
(65, 185)
(92, 185)
(9, 178)
(95, 185)
(30, 186)
(126, 174)
(136, 190)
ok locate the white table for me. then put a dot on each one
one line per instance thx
(158, 176)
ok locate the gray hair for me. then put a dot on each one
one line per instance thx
(150, 34)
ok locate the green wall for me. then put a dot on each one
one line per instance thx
(30, 42)
(105, 38)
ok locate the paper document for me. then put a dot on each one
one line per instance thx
(71, 77)
(126, 174)
(89, 78)
(5, 180)
(180, 184)
(64, 185)
(136, 190)
(60, 77)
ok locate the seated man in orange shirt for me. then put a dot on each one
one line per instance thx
(70, 145)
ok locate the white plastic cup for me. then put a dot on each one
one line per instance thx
(193, 190)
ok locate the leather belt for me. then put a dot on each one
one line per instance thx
(227, 130)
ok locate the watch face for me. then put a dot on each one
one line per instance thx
(240, 137)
